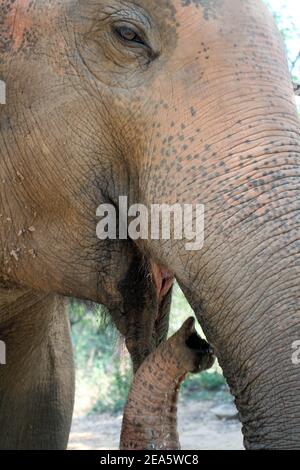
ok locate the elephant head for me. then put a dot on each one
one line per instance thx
(165, 102)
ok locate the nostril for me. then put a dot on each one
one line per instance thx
(206, 348)
(195, 342)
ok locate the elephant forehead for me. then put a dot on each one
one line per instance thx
(208, 7)
(18, 29)
(211, 33)
(22, 21)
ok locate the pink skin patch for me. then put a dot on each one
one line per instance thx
(18, 20)
(163, 280)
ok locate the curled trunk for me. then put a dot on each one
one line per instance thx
(150, 417)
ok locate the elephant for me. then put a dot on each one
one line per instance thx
(152, 423)
(38, 381)
(165, 102)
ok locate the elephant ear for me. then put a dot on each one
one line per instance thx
(296, 88)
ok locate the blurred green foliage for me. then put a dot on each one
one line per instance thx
(287, 17)
(100, 364)
(103, 365)
(287, 14)
(205, 386)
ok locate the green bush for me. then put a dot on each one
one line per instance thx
(114, 399)
(203, 386)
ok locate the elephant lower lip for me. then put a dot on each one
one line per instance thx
(163, 280)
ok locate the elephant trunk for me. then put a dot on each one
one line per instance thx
(150, 417)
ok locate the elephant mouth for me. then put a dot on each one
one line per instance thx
(144, 336)
(148, 327)
(163, 280)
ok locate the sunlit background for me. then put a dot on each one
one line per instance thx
(287, 14)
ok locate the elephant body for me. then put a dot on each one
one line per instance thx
(189, 103)
(37, 382)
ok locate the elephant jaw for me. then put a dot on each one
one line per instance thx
(150, 415)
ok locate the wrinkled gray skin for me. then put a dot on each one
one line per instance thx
(192, 104)
(37, 384)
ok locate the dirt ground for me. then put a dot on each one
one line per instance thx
(199, 429)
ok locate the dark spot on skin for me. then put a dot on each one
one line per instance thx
(16, 30)
(209, 7)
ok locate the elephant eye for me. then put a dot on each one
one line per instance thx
(128, 35)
